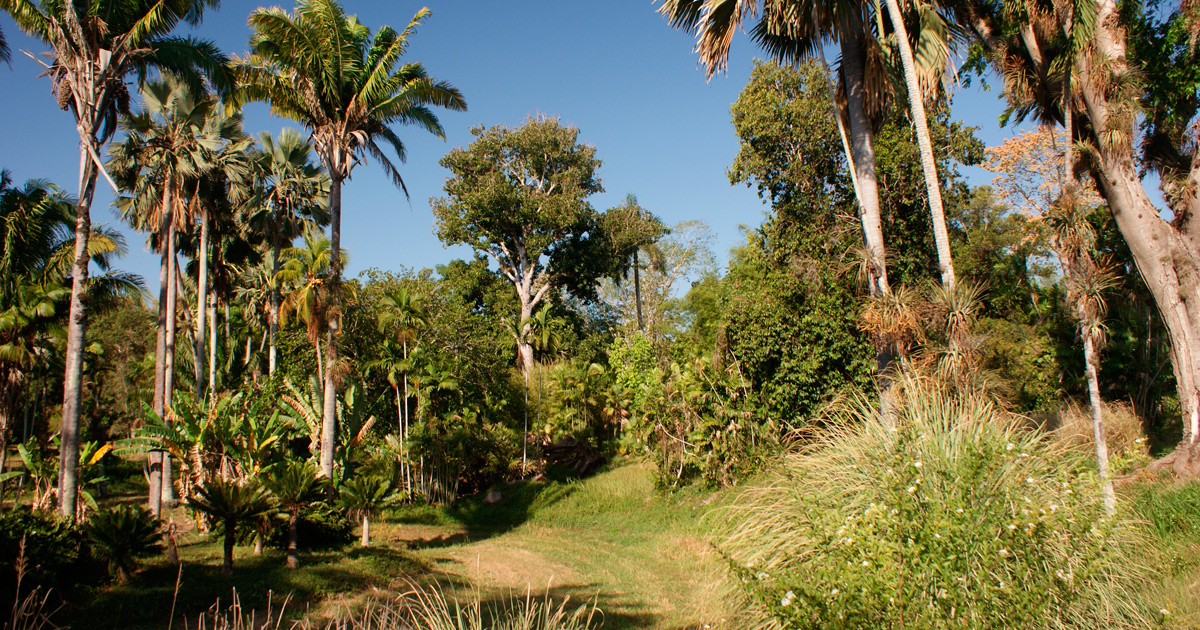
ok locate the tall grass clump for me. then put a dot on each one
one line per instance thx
(421, 607)
(949, 514)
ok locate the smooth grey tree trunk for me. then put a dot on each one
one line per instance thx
(329, 415)
(154, 459)
(168, 485)
(1092, 360)
(928, 165)
(212, 341)
(637, 291)
(68, 456)
(276, 300)
(201, 307)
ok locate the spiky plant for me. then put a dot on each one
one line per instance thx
(121, 535)
(362, 497)
(231, 504)
(295, 484)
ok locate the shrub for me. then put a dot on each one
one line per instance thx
(122, 535)
(952, 516)
(54, 557)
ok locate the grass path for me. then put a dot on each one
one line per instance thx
(610, 538)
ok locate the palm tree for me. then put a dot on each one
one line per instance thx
(231, 504)
(306, 271)
(405, 312)
(292, 191)
(324, 70)
(362, 497)
(5, 53)
(392, 360)
(225, 182)
(631, 228)
(95, 45)
(791, 33)
(36, 246)
(165, 153)
(294, 484)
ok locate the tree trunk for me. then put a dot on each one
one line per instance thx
(258, 543)
(329, 416)
(212, 341)
(928, 165)
(293, 554)
(275, 303)
(862, 162)
(154, 500)
(201, 306)
(1092, 361)
(366, 531)
(230, 536)
(68, 456)
(1166, 258)
(524, 348)
(637, 291)
(168, 486)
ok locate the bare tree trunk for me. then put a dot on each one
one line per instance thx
(68, 456)
(524, 348)
(212, 341)
(201, 306)
(928, 165)
(293, 554)
(168, 485)
(1092, 361)
(329, 416)
(366, 531)
(275, 303)
(154, 458)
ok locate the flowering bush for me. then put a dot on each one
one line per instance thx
(950, 515)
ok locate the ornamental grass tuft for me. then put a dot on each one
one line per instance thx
(950, 514)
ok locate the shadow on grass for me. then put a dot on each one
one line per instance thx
(518, 502)
(147, 601)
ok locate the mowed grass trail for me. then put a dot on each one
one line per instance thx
(639, 554)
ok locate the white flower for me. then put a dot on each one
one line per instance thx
(912, 489)
(1029, 480)
(1009, 446)
(1003, 554)
(865, 563)
(762, 575)
(1164, 612)
(834, 592)
(959, 510)
(1011, 527)
(916, 464)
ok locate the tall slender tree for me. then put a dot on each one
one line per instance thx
(325, 70)
(95, 45)
(292, 194)
(169, 148)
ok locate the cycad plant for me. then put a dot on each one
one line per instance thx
(121, 535)
(295, 484)
(362, 497)
(231, 504)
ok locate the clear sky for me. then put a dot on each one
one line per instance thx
(613, 68)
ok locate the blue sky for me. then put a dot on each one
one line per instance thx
(615, 69)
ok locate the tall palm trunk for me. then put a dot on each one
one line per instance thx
(201, 306)
(212, 340)
(275, 304)
(168, 486)
(293, 554)
(928, 165)
(68, 456)
(154, 499)
(329, 417)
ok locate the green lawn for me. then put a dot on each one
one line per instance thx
(611, 539)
